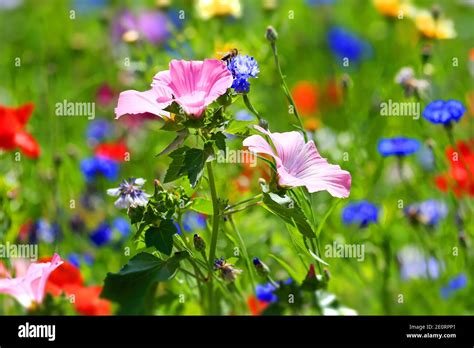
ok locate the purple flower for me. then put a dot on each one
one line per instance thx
(151, 26)
(429, 212)
(414, 264)
(130, 194)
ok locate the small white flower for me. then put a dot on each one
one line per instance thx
(130, 194)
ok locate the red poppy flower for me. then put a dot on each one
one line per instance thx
(87, 300)
(68, 279)
(460, 176)
(113, 151)
(256, 306)
(12, 133)
(305, 94)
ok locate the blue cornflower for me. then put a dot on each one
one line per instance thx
(425, 157)
(444, 112)
(98, 130)
(265, 292)
(88, 259)
(399, 146)
(360, 213)
(44, 231)
(92, 167)
(457, 283)
(130, 194)
(193, 221)
(429, 212)
(74, 259)
(123, 226)
(414, 264)
(243, 68)
(102, 234)
(320, 2)
(345, 44)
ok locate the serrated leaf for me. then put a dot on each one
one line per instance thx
(130, 286)
(219, 139)
(161, 237)
(194, 163)
(176, 168)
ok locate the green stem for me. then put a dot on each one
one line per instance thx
(215, 214)
(229, 207)
(249, 106)
(286, 90)
(244, 251)
(228, 212)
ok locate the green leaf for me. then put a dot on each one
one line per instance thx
(219, 139)
(130, 286)
(176, 168)
(288, 210)
(325, 217)
(161, 237)
(237, 127)
(194, 163)
(202, 205)
(136, 214)
(176, 143)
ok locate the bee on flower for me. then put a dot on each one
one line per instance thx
(130, 194)
(226, 270)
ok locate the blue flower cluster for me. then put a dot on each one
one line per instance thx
(398, 146)
(345, 44)
(98, 130)
(360, 213)
(444, 112)
(266, 292)
(94, 166)
(243, 68)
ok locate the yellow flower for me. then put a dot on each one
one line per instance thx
(393, 8)
(221, 49)
(434, 29)
(212, 8)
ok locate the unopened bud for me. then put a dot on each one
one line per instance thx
(271, 34)
(436, 12)
(263, 123)
(199, 243)
(262, 269)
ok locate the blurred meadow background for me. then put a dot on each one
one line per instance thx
(415, 262)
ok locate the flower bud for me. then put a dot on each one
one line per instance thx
(262, 269)
(263, 123)
(199, 243)
(271, 34)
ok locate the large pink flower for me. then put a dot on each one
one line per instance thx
(30, 287)
(193, 85)
(300, 164)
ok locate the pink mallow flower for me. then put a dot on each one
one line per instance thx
(300, 164)
(191, 84)
(29, 288)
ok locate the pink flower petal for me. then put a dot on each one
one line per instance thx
(300, 164)
(30, 288)
(134, 102)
